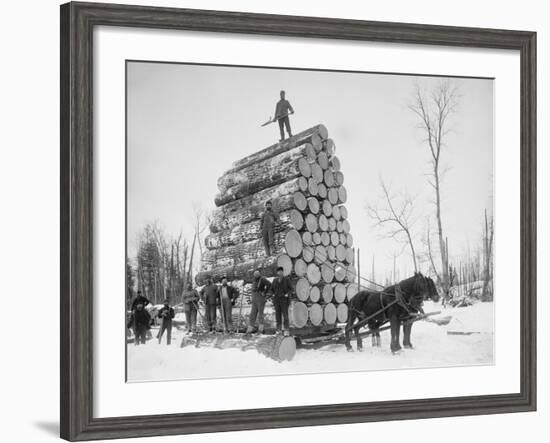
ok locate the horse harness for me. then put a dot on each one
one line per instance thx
(399, 300)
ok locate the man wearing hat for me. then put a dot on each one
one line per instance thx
(260, 287)
(228, 296)
(211, 299)
(140, 299)
(140, 321)
(282, 289)
(190, 300)
(267, 227)
(282, 111)
(166, 314)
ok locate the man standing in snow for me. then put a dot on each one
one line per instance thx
(140, 299)
(282, 111)
(281, 288)
(140, 323)
(190, 300)
(228, 296)
(267, 227)
(166, 314)
(260, 286)
(211, 298)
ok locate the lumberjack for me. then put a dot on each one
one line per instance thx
(211, 298)
(282, 111)
(140, 321)
(166, 314)
(281, 292)
(267, 226)
(260, 287)
(228, 295)
(190, 300)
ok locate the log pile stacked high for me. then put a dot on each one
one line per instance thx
(312, 241)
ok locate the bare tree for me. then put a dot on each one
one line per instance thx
(429, 255)
(488, 234)
(395, 215)
(200, 222)
(433, 110)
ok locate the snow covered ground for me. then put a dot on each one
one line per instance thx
(466, 340)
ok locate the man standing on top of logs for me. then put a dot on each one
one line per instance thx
(210, 297)
(190, 300)
(282, 111)
(267, 227)
(228, 296)
(260, 287)
(281, 288)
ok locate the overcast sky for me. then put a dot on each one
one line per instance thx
(188, 123)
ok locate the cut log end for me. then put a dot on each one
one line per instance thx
(342, 313)
(285, 262)
(298, 314)
(293, 243)
(330, 314)
(315, 314)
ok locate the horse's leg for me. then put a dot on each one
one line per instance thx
(377, 335)
(351, 320)
(407, 328)
(375, 339)
(395, 326)
(359, 339)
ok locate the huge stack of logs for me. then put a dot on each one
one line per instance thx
(302, 178)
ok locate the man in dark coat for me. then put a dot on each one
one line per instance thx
(228, 296)
(166, 314)
(211, 298)
(140, 322)
(267, 227)
(282, 111)
(190, 300)
(260, 288)
(282, 289)
(140, 299)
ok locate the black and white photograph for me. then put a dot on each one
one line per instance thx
(296, 221)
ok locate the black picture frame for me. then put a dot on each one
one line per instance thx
(77, 23)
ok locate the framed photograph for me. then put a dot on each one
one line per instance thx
(272, 221)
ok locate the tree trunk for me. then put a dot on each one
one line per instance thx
(443, 252)
(259, 176)
(278, 148)
(241, 271)
(276, 347)
(242, 233)
(252, 207)
(240, 252)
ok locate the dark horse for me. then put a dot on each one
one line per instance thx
(396, 304)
